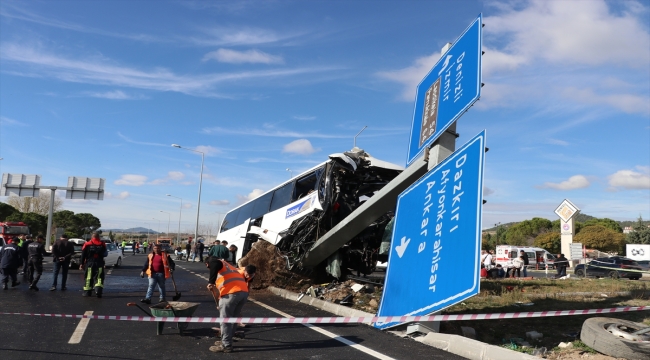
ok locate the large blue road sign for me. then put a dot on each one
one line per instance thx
(448, 90)
(434, 257)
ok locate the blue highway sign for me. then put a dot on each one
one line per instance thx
(434, 257)
(448, 90)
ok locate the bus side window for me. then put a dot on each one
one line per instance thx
(229, 221)
(281, 197)
(262, 205)
(244, 213)
(304, 186)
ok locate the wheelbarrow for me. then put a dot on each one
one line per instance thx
(170, 309)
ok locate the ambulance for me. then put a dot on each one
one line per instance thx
(538, 258)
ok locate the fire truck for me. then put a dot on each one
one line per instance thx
(12, 229)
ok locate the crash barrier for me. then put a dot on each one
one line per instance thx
(345, 320)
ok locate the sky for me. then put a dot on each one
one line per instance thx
(103, 88)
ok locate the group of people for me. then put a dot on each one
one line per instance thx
(23, 251)
(227, 283)
(515, 269)
(518, 266)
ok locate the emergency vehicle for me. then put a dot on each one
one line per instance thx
(12, 229)
(537, 257)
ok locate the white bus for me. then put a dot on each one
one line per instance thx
(329, 191)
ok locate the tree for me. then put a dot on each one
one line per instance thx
(66, 219)
(6, 210)
(37, 223)
(487, 241)
(608, 223)
(600, 238)
(525, 232)
(640, 235)
(87, 223)
(39, 204)
(551, 241)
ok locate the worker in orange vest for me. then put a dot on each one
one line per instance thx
(158, 267)
(233, 292)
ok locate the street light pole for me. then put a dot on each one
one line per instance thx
(198, 203)
(180, 212)
(169, 219)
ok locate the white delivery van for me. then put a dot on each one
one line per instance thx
(537, 257)
(637, 252)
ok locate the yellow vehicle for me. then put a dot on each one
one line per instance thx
(166, 244)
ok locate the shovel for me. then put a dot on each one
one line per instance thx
(139, 307)
(178, 295)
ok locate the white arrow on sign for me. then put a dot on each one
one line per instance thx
(402, 247)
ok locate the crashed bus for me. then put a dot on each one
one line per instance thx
(295, 214)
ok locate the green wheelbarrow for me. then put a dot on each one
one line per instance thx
(170, 309)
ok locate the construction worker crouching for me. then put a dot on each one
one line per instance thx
(158, 267)
(92, 260)
(233, 293)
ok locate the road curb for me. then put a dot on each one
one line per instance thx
(335, 309)
(455, 344)
(470, 348)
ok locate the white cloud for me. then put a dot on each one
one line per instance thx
(411, 76)
(208, 150)
(33, 61)
(252, 195)
(578, 32)
(131, 180)
(304, 118)
(558, 142)
(187, 205)
(238, 57)
(123, 195)
(114, 95)
(487, 191)
(574, 182)
(5, 121)
(628, 103)
(300, 147)
(630, 179)
(220, 202)
(172, 175)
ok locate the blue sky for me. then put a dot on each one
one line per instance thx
(103, 88)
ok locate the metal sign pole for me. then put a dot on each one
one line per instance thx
(48, 234)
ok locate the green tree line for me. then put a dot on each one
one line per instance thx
(75, 225)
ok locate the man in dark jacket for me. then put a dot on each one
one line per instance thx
(36, 252)
(561, 264)
(24, 253)
(62, 252)
(526, 261)
(188, 249)
(10, 261)
(92, 260)
(219, 251)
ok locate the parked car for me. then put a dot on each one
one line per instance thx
(114, 257)
(644, 264)
(614, 267)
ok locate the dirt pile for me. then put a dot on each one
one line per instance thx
(348, 293)
(271, 266)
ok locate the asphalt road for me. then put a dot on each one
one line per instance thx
(48, 338)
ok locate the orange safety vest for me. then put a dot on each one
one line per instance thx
(230, 280)
(165, 265)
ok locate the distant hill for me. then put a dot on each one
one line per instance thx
(140, 230)
(581, 218)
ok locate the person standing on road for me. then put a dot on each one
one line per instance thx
(92, 260)
(219, 251)
(487, 261)
(62, 252)
(158, 267)
(201, 249)
(24, 253)
(233, 292)
(195, 250)
(145, 245)
(188, 249)
(560, 264)
(123, 246)
(526, 261)
(232, 259)
(36, 252)
(10, 262)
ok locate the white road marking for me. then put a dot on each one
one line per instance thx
(79, 331)
(328, 334)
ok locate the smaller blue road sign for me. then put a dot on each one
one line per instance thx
(434, 257)
(448, 90)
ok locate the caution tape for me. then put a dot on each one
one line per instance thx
(623, 270)
(345, 320)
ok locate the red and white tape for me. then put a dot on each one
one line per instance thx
(346, 320)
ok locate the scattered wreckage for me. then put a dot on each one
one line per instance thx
(296, 214)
